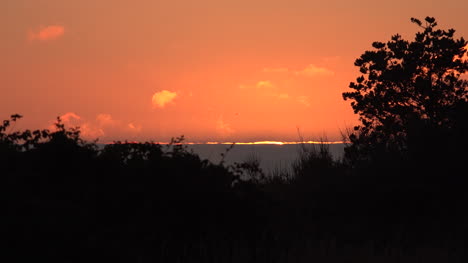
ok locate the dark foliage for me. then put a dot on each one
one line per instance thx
(408, 89)
(68, 200)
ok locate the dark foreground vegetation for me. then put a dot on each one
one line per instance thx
(399, 194)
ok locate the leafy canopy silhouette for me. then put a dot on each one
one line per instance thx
(406, 81)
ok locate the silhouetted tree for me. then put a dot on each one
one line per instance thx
(407, 87)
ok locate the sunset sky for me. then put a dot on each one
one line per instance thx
(212, 70)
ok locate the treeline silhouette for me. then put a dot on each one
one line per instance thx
(67, 199)
(398, 195)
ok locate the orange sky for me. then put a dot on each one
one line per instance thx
(231, 70)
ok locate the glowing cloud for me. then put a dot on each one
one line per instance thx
(264, 84)
(161, 98)
(89, 130)
(67, 117)
(312, 71)
(47, 33)
(283, 96)
(103, 125)
(104, 119)
(134, 128)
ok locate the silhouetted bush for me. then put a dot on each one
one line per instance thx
(143, 201)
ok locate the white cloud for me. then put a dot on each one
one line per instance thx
(264, 84)
(161, 98)
(313, 70)
(47, 33)
(310, 71)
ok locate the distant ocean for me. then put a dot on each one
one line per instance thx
(271, 157)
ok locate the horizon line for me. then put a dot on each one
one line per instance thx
(279, 143)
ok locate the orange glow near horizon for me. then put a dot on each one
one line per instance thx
(243, 143)
(248, 71)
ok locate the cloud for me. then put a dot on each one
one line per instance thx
(161, 98)
(312, 71)
(133, 127)
(104, 119)
(103, 125)
(67, 117)
(264, 84)
(267, 88)
(304, 100)
(89, 130)
(47, 33)
(223, 128)
(70, 119)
